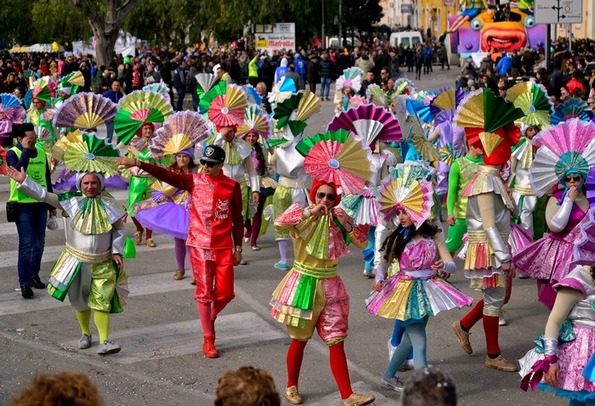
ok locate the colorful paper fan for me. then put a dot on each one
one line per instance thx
(297, 109)
(408, 189)
(255, 120)
(225, 104)
(282, 90)
(3, 165)
(60, 146)
(136, 109)
(420, 105)
(85, 111)
(11, 109)
(91, 154)
(405, 86)
(487, 120)
(159, 88)
(419, 139)
(376, 95)
(369, 122)
(532, 98)
(339, 157)
(73, 80)
(569, 145)
(43, 133)
(352, 78)
(590, 186)
(39, 89)
(252, 94)
(181, 130)
(205, 82)
(573, 108)
(583, 251)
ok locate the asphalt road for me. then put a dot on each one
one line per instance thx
(161, 361)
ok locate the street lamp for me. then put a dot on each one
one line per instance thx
(323, 33)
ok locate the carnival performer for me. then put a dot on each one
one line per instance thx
(91, 266)
(548, 259)
(319, 234)
(239, 166)
(488, 260)
(140, 182)
(215, 216)
(418, 289)
(566, 352)
(461, 172)
(259, 158)
(520, 162)
(167, 210)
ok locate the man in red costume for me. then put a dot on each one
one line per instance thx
(215, 228)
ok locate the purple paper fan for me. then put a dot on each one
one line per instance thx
(366, 118)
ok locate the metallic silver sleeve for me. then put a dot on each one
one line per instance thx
(498, 245)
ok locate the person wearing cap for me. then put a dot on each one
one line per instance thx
(166, 210)
(238, 164)
(215, 228)
(90, 268)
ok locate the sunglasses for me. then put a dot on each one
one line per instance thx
(329, 196)
(576, 178)
(207, 163)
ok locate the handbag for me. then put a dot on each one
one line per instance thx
(11, 211)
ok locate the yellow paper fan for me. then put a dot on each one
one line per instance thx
(309, 105)
(235, 97)
(177, 143)
(490, 141)
(470, 113)
(61, 145)
(77, 79)
(445, 100)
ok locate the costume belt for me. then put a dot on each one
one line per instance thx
(480, 236)
(315, 272)
(525, 190)
(293, 183)
(88, 258)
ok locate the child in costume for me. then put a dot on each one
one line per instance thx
(415, 292)
(167, 209)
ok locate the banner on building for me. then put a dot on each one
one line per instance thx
(276, 37)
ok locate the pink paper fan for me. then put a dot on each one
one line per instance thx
(370, 122)
(224, 116)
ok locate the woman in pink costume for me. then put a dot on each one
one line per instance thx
(566, 352)
(548, 259)
(312, 296)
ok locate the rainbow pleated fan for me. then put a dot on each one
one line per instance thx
(224, 104)
(136, 109)
(532, 98)
(257, 121)
(85, 111)
(91, 154)
(352, 78)
(338, 157)
(180, 131)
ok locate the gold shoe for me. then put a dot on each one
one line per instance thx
(501, 364)
(192, 281)
(357, 399)
(151, 243)
(138, 237)
(293, 395)
(179, 274)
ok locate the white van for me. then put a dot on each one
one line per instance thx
(333, 42)
(407, 38)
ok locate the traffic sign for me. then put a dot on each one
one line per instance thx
(558, 11)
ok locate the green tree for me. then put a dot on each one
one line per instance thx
(361, 15)
(57, 20)
(16, 22)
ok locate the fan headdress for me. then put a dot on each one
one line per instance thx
(314, 189)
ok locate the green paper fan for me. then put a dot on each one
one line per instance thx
(284, 110)
(219, 89)
(498, 112)
(136, 109)
(91, 154)
(533, 100)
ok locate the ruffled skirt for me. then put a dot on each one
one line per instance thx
(167, 218)
(407, 299)
(548, 258)
(362, 208)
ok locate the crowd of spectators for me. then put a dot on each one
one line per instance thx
(571, 69)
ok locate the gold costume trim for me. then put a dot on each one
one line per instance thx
(318, 273)
(88, 258)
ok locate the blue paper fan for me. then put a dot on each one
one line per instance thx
(253, 96)
(9, 101)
